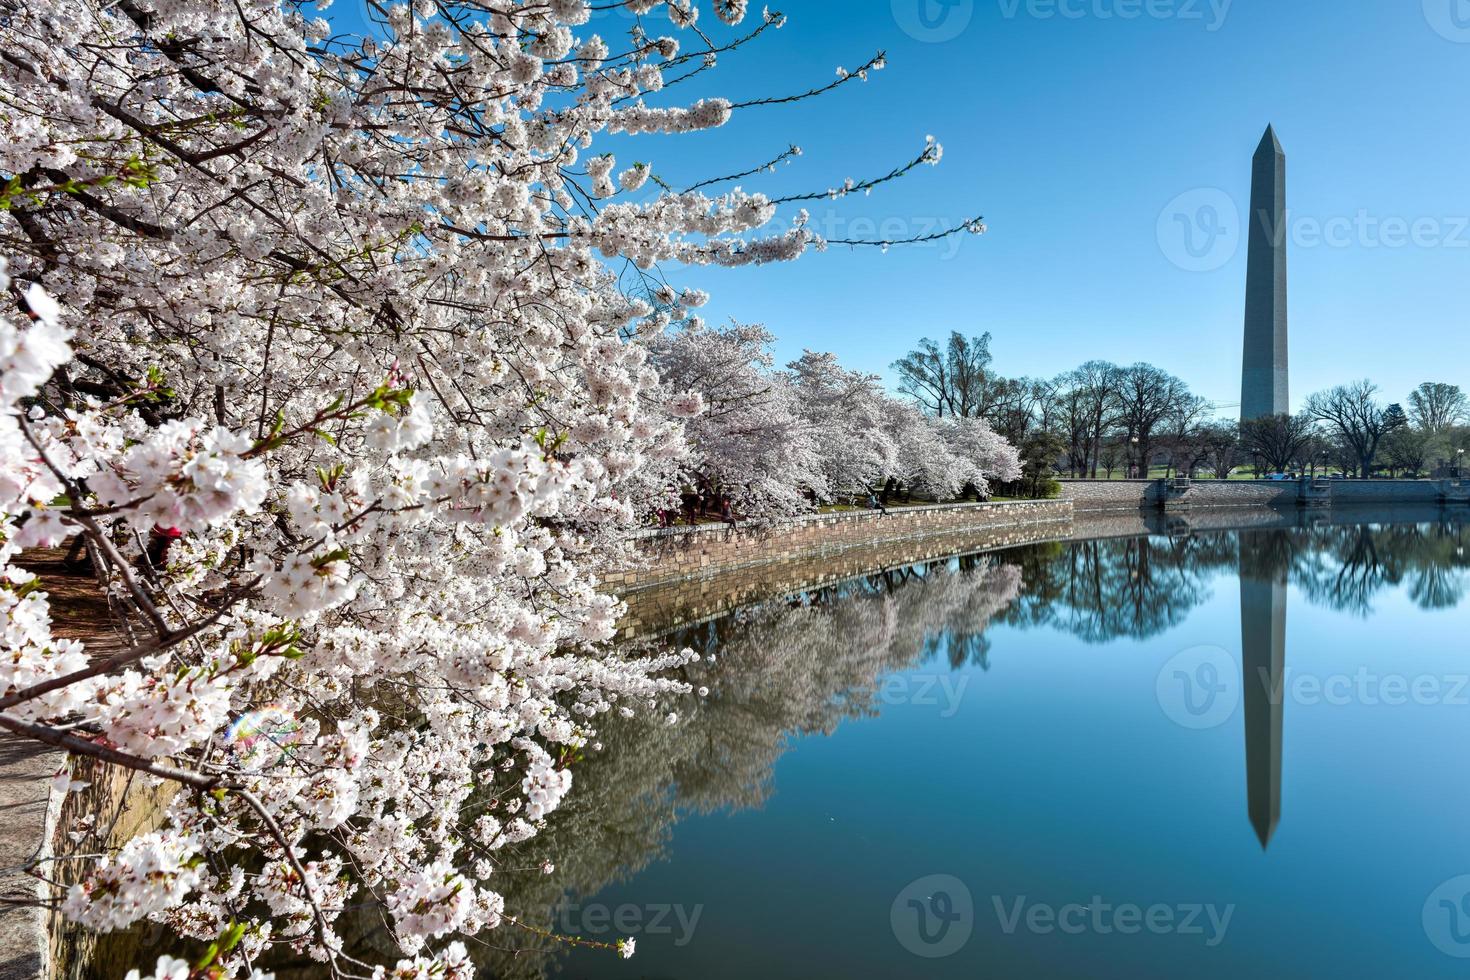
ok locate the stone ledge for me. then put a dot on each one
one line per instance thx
(835, 517)
(673, 554)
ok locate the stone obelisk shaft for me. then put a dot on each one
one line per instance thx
(1263, 389)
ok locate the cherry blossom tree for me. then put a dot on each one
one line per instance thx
(750, 444)
(777, 442)
(338, 390)
(868, 439)
(986, 453)
(851, 412)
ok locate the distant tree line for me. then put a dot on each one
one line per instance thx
(1103, 420)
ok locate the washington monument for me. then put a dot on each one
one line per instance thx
(1263, 387)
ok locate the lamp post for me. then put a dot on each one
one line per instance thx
(1137, 465)
(1459, 464)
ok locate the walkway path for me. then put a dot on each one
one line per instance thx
(78, 612)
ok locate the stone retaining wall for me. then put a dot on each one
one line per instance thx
(680, 553)
(1111, 494)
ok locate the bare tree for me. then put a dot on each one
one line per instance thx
(924, 375)
(1221, 442)
(1184, 430)
(1073, 422)
(1408, 449)
(977, 389)
(1046, 403)
(1017, 404)
(1435, 406)
(1316, 451)
(1112, 456)
(1277, 439)
(1099, 382)
(954, 380)
(1145, 397)
(1353, 411)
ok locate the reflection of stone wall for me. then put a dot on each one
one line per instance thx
(1388, 491)
(678, 553)
(1243, 493)
(656, 609)
(689, 575)
(1104, 495)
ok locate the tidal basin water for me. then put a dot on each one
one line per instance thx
(1206, 754)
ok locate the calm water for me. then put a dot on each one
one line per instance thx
(1212, 755)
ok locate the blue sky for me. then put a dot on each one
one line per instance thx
(1090, 134)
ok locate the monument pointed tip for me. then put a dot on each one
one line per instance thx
(1269, 142)
(1265, 828)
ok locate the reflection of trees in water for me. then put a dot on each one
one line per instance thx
(1140, 587)
(774, 671)
(1346, 567)
(1100, 590)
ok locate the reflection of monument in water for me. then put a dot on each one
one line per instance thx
(1265, 557)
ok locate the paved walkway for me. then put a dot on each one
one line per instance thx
(79, 612)
(25, 772)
